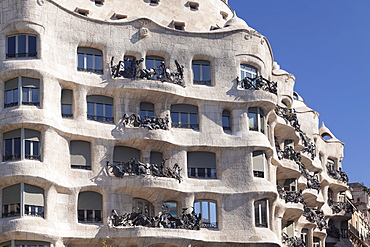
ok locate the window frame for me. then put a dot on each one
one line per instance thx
(67, 101)
(82, 59)
(226, 123)
(206, 222)
(203, 79)
(73, 155)
(97, 213)
(247, 69)
(188, 111)
(171, 208)
(256, 172)
(146, 110)
(197, 171)
(263, 219)
(103, 102)
(27, 53)
(135, 204)
(26, 86)
(256, 115)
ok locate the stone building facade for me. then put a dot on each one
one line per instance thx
(157, 123)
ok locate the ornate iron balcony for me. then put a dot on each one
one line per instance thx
(293, 241)
(161, 73)
(189, 221)
(339, 175)
(317, 216)
(152, 123)
(136, 167)
(337, 207)
(258, 83)
(291, 196)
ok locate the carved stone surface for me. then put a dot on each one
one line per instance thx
(152, 123)
(136, 167)
(339, 175)
(289, 114)
(189, 221)
(129, 68)
(315, 216)
(258, 83)
(293, 241)
(291, 196)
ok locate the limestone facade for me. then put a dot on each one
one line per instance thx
(243, 146)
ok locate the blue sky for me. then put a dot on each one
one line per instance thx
(326, 45)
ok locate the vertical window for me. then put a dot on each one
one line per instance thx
(22, 90)
(171, 208)
(201, 165)
(261, 213)
(124, 154)
(331, 164)
(100, 108)
(201, 72)
(305, 235)
(184, 116)
(226, 120)
(143, 206)
(89, 207)
(248, 71)
(330, 195)
(256, 119)
(80, 153)
(23, 200)
(67, 103)
(90, 60)
(156, 157)
(208, 210)
(259, 164)
(21, 45)
(22, 144)
(290, 184)
(316, 242)
(146, 110)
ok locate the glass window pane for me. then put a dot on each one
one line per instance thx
(80, 60)
(25, 94)
(175, 117)
(90, 109)
(15, 95)
(8, 96)
(98, 62)
(35, 95)
(252, 121)
(8, 147)
(193, 118)
(21, 45)
(150, 113)
(206, 73)
(11, 45)
(89, 62)
(67, 109)
(35, 148)
(28, 147)
(149, 63)
(197, 207)
(225, 122)
(184, 118)
(202, 172)
(196, 72)
(99, 109)
(81, 215)
(205, 211)
(17, 146)
(108, 110)
(32, 45)
(213, 212)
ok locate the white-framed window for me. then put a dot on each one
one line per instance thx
(89, 207)
(172, 208)
(21, 46)
(201, 164)
(80, 154)
(256, 119)
(67, 103)
(259, 163)
(100, 108)
(22, 144)
(248, 71)
(226, 120)
(261, 213)
(316, 242)
(22, 91)
(90, 60)
(208, 210)
(305, 235)
(141, 205)
(184, 116)
(22, 200)
(24, 243)
(202, 72)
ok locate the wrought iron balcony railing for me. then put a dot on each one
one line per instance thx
(337, 207)
(317, 216)
(291, 196)
(161, 73)
(258, 83)
(152, 123)
(293, 241)
(339, 175)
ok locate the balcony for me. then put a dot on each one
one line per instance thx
(290, 196)
(293, 241)
(339, 175)
(338, 207)
(317, 216)
(258, 83)
(151, 123)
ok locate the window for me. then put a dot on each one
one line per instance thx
(100, 108)
(201, 72)
(179, 25)
(256, 119)
(67, 103)
(89, 207)
(208, 211)
(146, 110)
(184, 116)
(21, 144)
(259, 164)
(226, 120)
(124, 154)
(331, 164)
(305, 235)
(290, 184)
(289, 228)
(21, 45)
(171, 208)
(156, 158)
(90, 60)
(153, 62)
(22, 91)
(248, 71)
(83, 12)
(80, 152)
(201, 165)
(316, 242)
(143, 206)
(154, 2)
(99, 2)
(193, 5)
(261, 213)
(23, 200)
(289, 143)
(330, 194)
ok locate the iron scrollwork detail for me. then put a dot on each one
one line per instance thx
(130, 68)
(339, 175)
(258, 83)
(136, 167)
(152, 123)
(189, 221)
(291, 196)
(338, 207)
(293, 241)
(317, 216)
